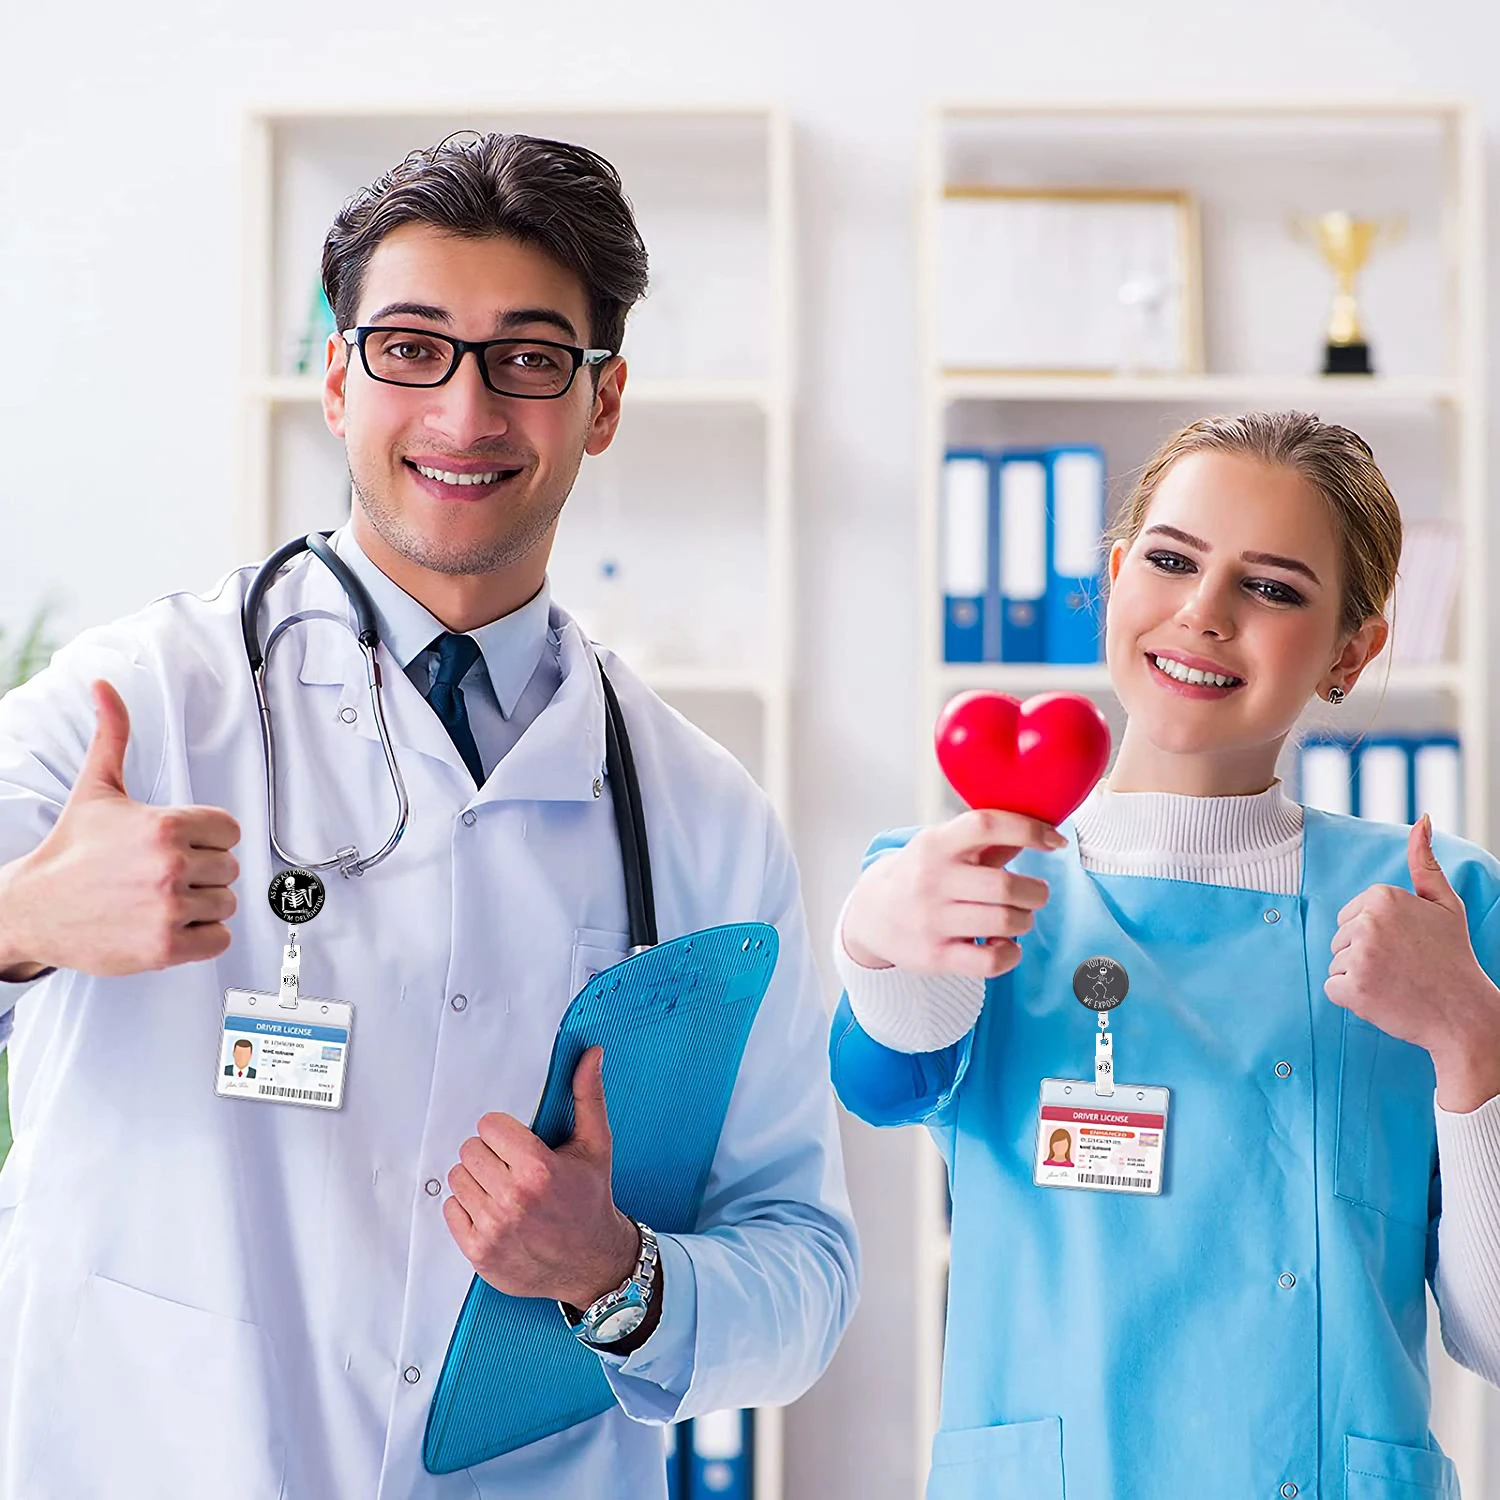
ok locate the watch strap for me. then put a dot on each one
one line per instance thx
(642, 1281)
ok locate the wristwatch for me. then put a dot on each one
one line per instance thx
(617, 1314)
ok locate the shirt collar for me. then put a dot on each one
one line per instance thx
(511, 646)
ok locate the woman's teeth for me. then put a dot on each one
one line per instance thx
(1193, 675)
(445, 477)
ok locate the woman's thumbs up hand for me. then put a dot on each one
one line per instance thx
(118, 886)
(1402, 961)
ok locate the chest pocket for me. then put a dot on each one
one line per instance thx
(1386, 1133)
(593, 952)
(986, 1463)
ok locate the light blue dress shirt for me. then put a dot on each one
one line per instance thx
(515, 677)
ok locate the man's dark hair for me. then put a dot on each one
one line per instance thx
(565, 200)
(243, 1042)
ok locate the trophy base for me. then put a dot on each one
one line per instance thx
(1347, 359)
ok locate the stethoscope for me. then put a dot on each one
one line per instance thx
(619, 762)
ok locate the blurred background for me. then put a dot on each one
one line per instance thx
(929, 284)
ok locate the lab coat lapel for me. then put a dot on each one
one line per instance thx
(331, 657)
(560, 757)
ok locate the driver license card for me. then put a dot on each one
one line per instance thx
(1114, 1145)
(283, 1054)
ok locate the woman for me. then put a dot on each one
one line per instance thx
(1261, 1276)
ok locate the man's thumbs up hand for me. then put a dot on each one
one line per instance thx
(118, 887)
(103, 770)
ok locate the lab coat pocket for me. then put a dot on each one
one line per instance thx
(1008, 1462)
(1387, 1471)
(159, 1398)
(1386, 1132)
(593, 952)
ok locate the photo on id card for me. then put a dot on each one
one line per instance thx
(283, 1054)
(1114, 1144)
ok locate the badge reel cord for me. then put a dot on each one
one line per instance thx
(1101, 984)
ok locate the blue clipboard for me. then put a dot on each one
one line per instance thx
(673, 1022)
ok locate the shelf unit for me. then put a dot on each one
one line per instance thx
(1246, 164)
(1198, 390)
(705, 444)
(291, 390)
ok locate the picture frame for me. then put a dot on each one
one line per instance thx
(1069, 281)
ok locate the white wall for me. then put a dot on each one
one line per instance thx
(119, 134)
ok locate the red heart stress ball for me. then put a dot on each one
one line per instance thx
(1041, 757)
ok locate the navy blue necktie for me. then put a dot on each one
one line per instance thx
(456, 654)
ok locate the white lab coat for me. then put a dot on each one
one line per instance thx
(201, 1296)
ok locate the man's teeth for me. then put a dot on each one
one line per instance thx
(1192, 674)
(446, 478)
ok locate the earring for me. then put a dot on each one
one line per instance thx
(1336, 695)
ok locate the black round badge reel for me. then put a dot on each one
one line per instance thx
(1100, 983)
(295, 895)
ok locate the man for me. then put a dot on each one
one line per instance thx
(201, 1295)
(242, 1051)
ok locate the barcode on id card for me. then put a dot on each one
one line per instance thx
(314, 1096)
(1104, 1180)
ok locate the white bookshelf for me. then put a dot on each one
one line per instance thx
(692, 503)
(1266, 300)
(292, 390)
(1199, 390)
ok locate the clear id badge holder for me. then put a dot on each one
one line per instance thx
(1099, 1134)
(286, 1047)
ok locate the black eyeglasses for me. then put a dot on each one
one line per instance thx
(533, 369)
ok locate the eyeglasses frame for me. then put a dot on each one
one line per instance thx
(355, 338)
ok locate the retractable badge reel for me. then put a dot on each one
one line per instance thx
(287, 1047)
(1103, 1135)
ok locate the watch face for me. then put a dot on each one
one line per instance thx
(619, 1324)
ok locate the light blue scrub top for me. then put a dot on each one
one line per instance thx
(1258, 1330)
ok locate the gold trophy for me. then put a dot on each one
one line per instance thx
(1345, 243)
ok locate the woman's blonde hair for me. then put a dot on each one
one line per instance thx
(1336, 461)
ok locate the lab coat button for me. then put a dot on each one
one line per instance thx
(413, 1375)
(459, 1002)
(433, 1186)
(1288, 1490)
(348, 715)
(1283, 1070)
(1286, 1281)
(1272, 915)
(598, 787)
(469, 819)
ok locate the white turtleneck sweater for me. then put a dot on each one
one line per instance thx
(1253, 843)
